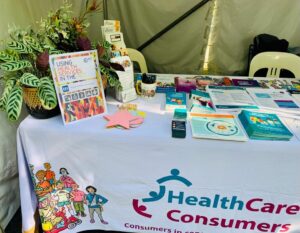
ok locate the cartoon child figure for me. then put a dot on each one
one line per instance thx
(43, 187)
(78, 198)
(49, 174)
(95, 203)
(48, 213)
(65, 179)
(63, 197)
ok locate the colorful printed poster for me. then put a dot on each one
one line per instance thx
(78, 85)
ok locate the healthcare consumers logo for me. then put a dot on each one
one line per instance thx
(179, 198)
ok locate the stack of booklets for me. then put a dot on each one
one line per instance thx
(264, 126)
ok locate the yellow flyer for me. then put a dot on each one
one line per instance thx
(78, 85)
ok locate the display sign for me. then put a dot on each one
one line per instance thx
(78, 85)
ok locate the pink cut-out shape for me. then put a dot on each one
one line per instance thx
(137, 121)
(121, 118)
(140, 209)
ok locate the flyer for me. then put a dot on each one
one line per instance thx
(78, 85)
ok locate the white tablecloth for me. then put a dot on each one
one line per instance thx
(155, 183)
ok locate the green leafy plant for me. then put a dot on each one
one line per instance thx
(24, 60)
(19, 62)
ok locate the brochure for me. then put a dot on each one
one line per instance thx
(201, 102)
(230, 98)
(165, 83)
(217, 126)
(78, 85)
(272, 98)
(175, 100)
(118, 47)
(126, 79)
(245, 83)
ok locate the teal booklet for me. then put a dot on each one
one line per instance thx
(175, 100)
(264, 126)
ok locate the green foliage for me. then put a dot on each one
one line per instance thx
(15, 65)
(30, 80)
(9, 84)
(14, 103)
(19, 47)
(4, 56)
(47, 94)
(33, 43)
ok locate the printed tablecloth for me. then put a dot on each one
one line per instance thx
(84, 176)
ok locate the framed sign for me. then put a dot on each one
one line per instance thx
(78, 85)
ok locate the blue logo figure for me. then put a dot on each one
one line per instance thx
(65, 88)
(155, 196)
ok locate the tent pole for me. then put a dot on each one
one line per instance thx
(105, 9)
(173, 24)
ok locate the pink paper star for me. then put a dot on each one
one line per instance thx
(120, 118)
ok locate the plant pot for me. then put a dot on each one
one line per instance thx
(34, 105)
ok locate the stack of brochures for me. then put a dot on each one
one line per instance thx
(264, 126)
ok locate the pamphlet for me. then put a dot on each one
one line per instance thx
(126, 79)
(175, 100)
(272, 98)
(201, 102)
(118, 47)
(230, 98)
(217, 126)
(245, 83)
(78, 85)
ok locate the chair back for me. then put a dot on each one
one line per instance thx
(138, 57)
(275, 62)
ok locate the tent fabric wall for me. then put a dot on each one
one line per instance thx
(231, 31)
(180, 50)
(23, 14)
(237, 22)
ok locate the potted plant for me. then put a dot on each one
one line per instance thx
(22, 64)
(24, 61)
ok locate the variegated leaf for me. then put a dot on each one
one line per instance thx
(9, 84)
(19, 47)
(53, 51)
(30, 80)
(31, 42)
(15, 65)
(6, 57)
(14, 103)
(47, 94)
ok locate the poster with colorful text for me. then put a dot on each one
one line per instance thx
(78, 85)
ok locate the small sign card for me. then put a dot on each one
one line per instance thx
(78, 85)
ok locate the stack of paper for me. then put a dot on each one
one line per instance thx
(264, 126)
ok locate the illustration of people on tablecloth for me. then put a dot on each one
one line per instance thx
(62, 195)
(43, 187)
(48, 214)
(78, 199)
(49, 174)
(65, 179)
(95, 203)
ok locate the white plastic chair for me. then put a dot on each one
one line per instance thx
(138, 57)
(274, 62)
